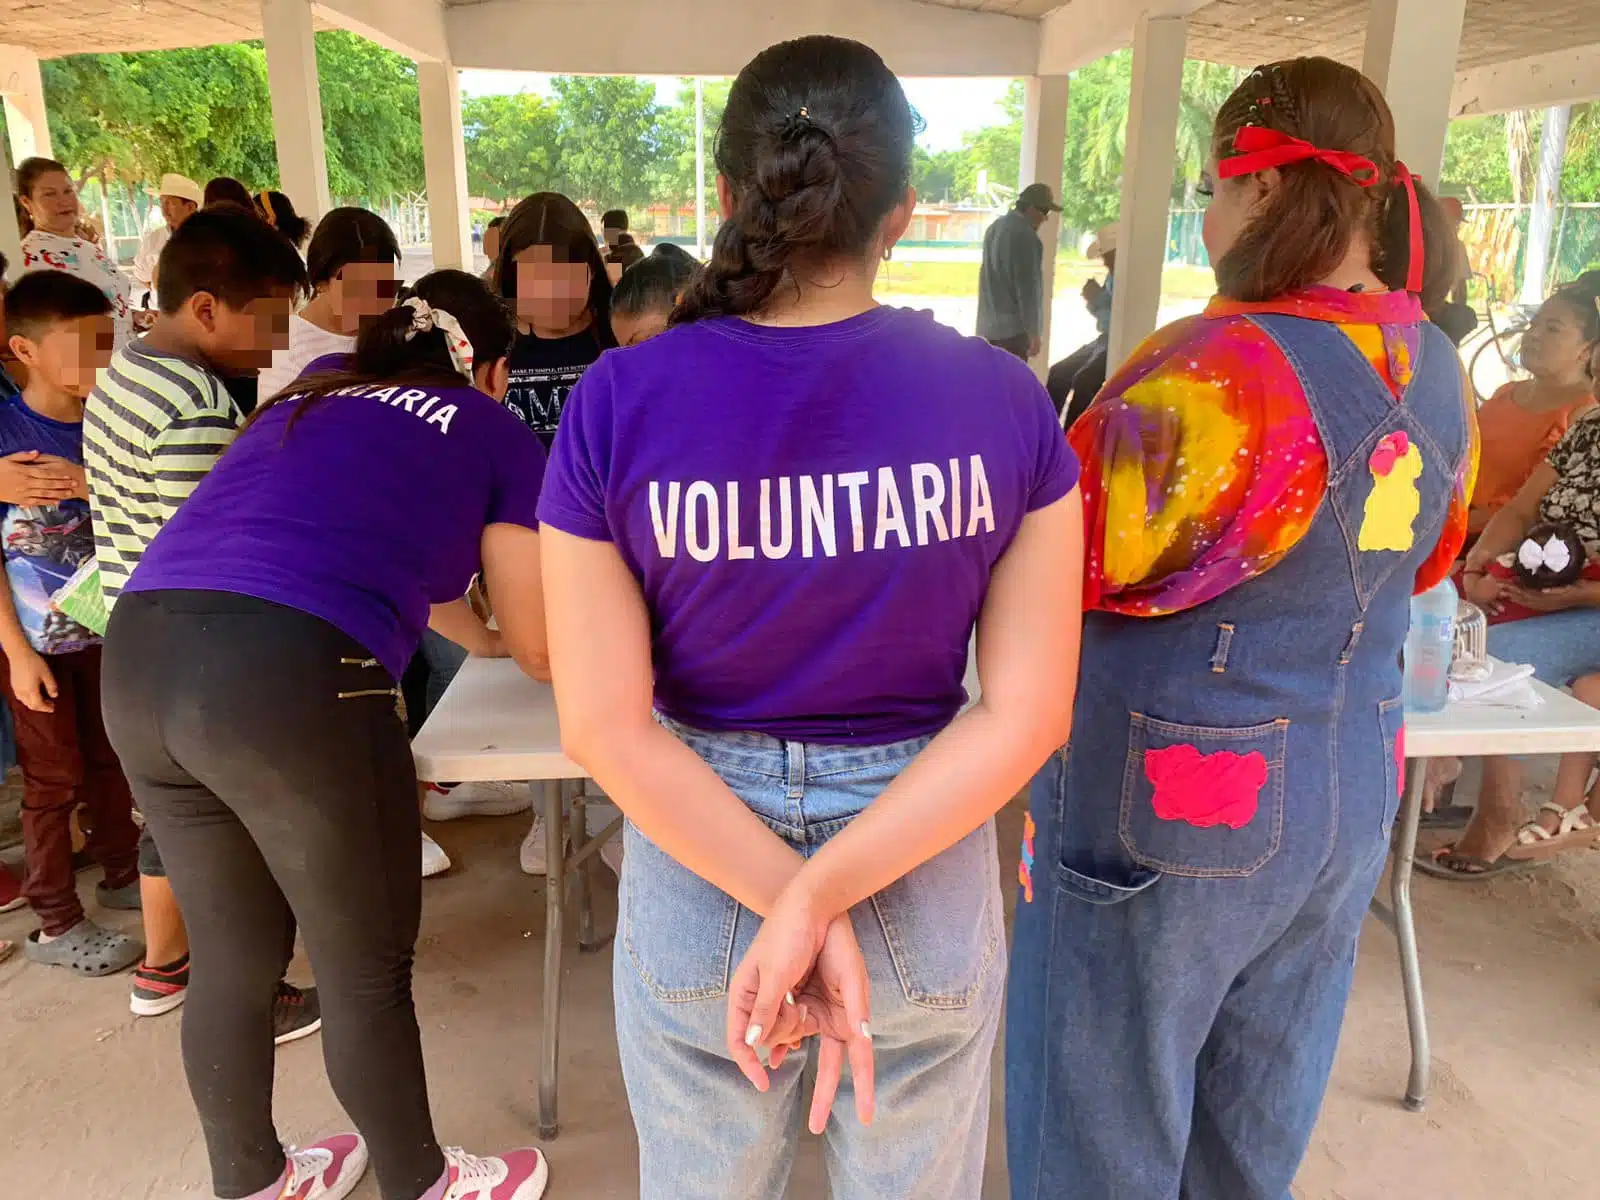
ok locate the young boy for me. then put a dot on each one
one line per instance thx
(60, 330)
(157, 422)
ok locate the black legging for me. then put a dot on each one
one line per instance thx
(275, 800)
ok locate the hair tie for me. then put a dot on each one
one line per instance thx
(798, 123)
(425, 319)
(268, 213)
(1414, 268)
(1257, 148)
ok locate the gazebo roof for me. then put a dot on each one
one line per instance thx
(1249, 32)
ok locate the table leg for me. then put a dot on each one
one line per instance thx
(554, 920)
(580, 876)
(1405, 932)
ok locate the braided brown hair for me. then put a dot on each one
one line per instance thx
(1303, 230)
(816, 145)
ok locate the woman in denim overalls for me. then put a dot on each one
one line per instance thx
(1265, 486)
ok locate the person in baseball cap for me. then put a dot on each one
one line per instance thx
(180, 197)
(1011, 280)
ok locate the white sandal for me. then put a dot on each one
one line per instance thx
(1575, 828)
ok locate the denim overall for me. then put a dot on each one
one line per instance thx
(1177, 985)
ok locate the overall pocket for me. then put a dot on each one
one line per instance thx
(678, 929)
(942, 923)
(1391, 727)
(1202, 801)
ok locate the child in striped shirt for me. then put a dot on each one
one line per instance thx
(155, 424)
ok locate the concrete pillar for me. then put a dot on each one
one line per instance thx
(1158, 45)
(1044, 147)
(1411, 52)
(296, 105)
(444, 160)
(10, 235)
(24, 100)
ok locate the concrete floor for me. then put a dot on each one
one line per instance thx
(96, 1107)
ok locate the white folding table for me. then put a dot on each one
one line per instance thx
(1561, 725)
(495, 723)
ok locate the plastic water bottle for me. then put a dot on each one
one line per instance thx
(1430, 645)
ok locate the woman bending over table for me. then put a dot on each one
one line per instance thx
(1265, 486)
(250, 691)
(768, 534)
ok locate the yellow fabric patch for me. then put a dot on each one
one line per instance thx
(1393, 506)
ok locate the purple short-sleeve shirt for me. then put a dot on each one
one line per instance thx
(813, 513)
(367, 511)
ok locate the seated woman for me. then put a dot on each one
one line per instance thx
(250, 685)
(1560, 637)
(1522, 421)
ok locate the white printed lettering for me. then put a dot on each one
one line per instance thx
(785, 542)
(383, 394)
(982, 504)
(891, 513)
(666, 527)
(432, 400)
(816, 516)
(701, 551)
(441, 417)
(735, 550)
(927, 497)
(955, 497)
(853, 482)
(409, 398)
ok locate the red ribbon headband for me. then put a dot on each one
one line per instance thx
(1260, 149)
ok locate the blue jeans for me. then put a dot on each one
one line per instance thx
(1562, 646)
(934, 942)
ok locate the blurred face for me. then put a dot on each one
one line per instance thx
(241, 340)
(361, 292)
(551, 292)
(1233, 203)
(176, 210)
(1554, 349)
(633, 328)
(68, 356)
(53, 203)
(491, 244)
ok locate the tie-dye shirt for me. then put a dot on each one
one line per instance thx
(1209, 416)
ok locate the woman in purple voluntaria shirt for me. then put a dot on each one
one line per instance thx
(249, 688)
(768, 535)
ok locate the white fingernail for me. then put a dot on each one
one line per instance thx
(866, 1032)
(789, 996)
(752, 1035)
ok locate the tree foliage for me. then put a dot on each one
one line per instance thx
(207, 112)
(606, 138)
(512, 145)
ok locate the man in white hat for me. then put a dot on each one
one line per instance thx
(180, 198)
(1074, 381)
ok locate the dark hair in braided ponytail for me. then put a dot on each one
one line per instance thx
(816, 145)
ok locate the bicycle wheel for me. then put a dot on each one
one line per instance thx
(1497, 362)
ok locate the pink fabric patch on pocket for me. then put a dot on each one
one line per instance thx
(1206, 789)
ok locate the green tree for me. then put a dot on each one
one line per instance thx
(934, 174)
(1476, 164)
(371, 117)
(511, 145)
(607, 138)
(673, 176)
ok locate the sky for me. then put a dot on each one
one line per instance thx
(951, 107)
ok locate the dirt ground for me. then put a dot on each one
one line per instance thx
(96, 1108)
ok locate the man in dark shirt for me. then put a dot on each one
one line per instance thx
(1011, 282)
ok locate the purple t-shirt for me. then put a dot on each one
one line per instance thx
(813, 513)
(369, 510)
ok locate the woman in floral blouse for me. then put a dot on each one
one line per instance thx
(56, 242)
(1562, 642)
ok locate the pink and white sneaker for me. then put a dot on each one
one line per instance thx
(329, 1170)
(515, 1175)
